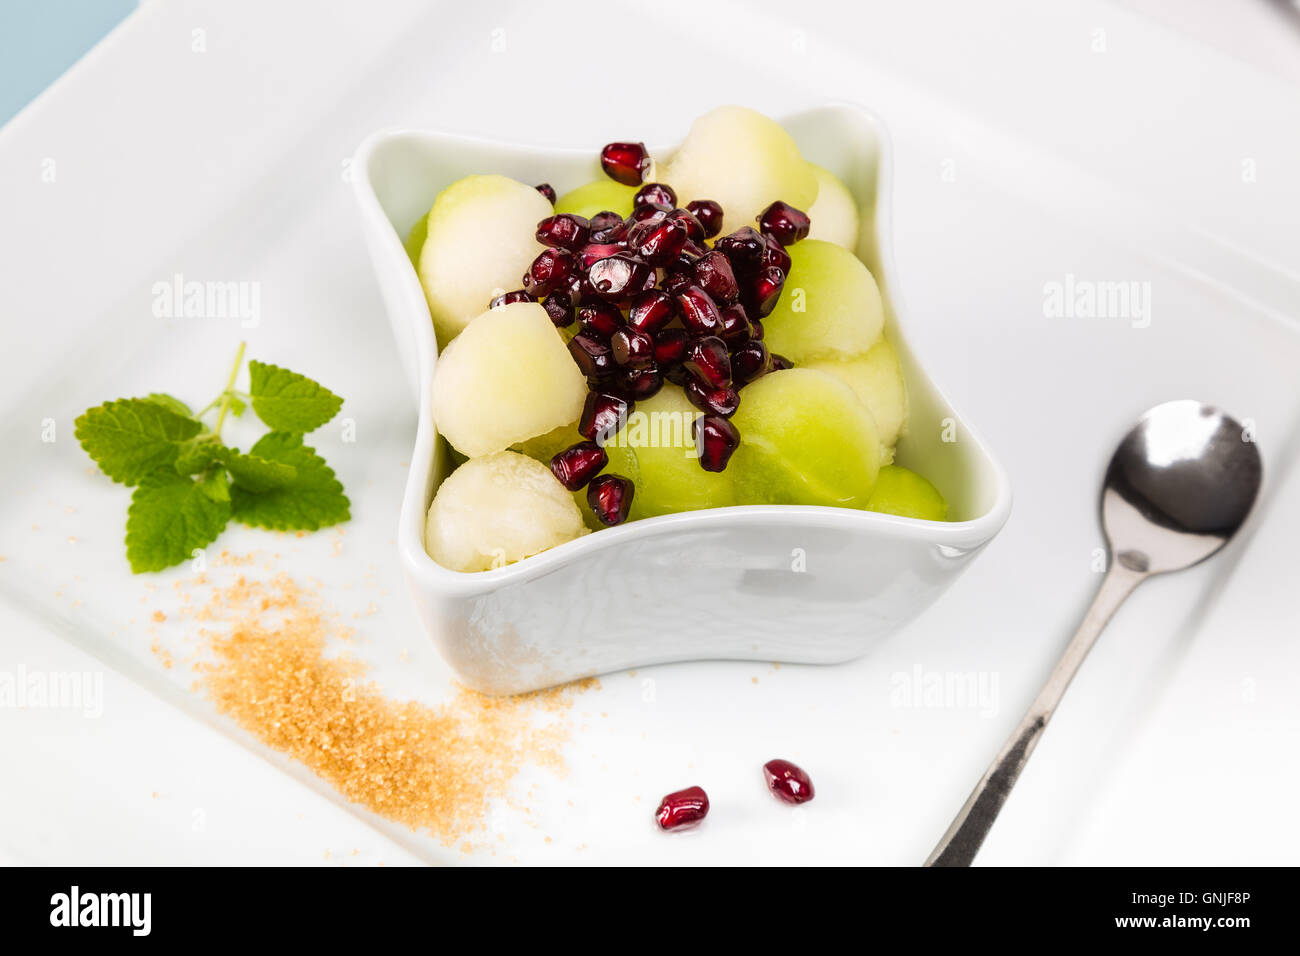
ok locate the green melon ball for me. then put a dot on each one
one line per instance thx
(599, 196)
(877, 379)
(805, 439)
(900, 491)
(481, 240)
(834, 215)
(742, 160)
(830, 307)
(414, 244)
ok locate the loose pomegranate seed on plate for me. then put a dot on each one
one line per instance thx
(506, 298)
(650, 311)
(698, 310)
(625, 163)
(765, 290)
(610, 497)
(549, 270)
(560, 308)
(713, 274)
(592, 355)
(603, 414)
(577, 465)
(660, 194)
(682, 809)
(750, 361)
(600, 318)
(708, 360)
(547, 190)
(744, 247)
(716, 438)
(784, 223)
(632, 347)
(709, 214)
(565, 230)
(715, 401)
(788, 781)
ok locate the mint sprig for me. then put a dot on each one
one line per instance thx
(189, 484)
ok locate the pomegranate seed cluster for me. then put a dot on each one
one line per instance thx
(655, 304)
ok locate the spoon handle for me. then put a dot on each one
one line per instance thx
(972, 824)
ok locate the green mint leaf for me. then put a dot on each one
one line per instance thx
(170, 516)
(289, 402)
(313, 499)
(132, 437)
(169, 401)
(237, 406)
(250, 472)
(196, 456)
(216, 485)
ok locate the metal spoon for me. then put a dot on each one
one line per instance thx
(1179, 486)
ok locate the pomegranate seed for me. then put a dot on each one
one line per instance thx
(607, 226)
(736, 328)
(647, 213)
(775, 255)
(632, 347)
(744, 247)
(549, 270)
(678, 375)
(766, 290)
(600, 318)
(506, 298)
(565, 230)
(788, 782)
(698, 310)
(603, 414)
(658, 193)
(660, 243)
(625, 163)
(576, 466)
(716, 438)
(579, 289)
(750, 361)
(709, 215)
(592, 355)
(650, 311)
(713, 274)
(619, 277)
(715, 401)
(593, 252)
(642, 383)
(784, 223)
(670, 347)
(708, 360)
(610, 497)
(694, 228)
(560, 308)
(780, 362)
(547, 190)
(676, 282)
(684, 808)
(756, 329)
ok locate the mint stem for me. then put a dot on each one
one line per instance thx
(225, 394)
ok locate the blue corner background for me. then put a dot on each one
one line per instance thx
(40, 39)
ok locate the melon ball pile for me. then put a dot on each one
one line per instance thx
(670, 337)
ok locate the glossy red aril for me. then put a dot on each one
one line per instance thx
(713, 274)
(603, 414)
(547, 190)
(660, 194)
(676, 282)
(736, 327)
(548, 271)
(600, 318)
(507, 298)
(744, 247)
(694, 228)
(788, 781)
(619, 278)
(647, 213)
(650, 311)
(661, 243)
(715, 401)
(780, 362)
(577, 465)
(632, 347)
(784, 223)
(750, 361)
(625, 163)
(708, 360)
(592, 355)
(709, 214)
(670, 347)
(716, 438)
(610, 497)
(593, 252)
(682, 809)
(765, 290)
(607, 226)
(639, 384)
(559, 307)
(565, 230)
(775, 255)
(756, 328)
(698, 310)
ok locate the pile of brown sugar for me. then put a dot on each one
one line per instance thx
(269, 663)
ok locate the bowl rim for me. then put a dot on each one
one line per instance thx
(422, 569)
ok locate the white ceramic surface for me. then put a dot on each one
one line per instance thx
(793, 584)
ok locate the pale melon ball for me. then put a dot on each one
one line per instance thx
(480, 240)
(507, 378)
(835, 213)
(497, 510)
(742, 160)
(877, 379)
(830, 307)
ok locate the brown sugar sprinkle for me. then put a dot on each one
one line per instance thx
(432, 767)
